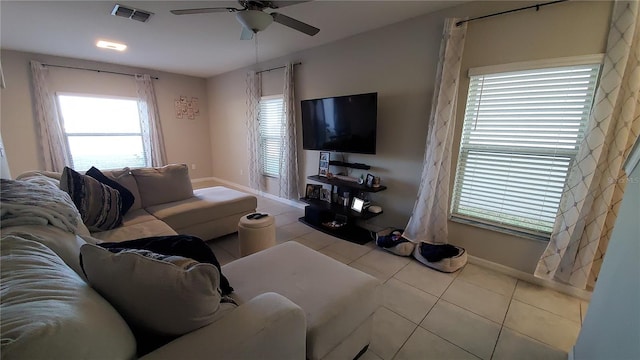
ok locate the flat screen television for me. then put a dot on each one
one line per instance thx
(341, 123)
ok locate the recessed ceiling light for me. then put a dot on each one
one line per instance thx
(110, 45)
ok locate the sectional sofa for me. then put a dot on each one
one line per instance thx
(290, 302)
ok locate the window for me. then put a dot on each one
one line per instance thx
(102, 131)
(271, 113)
(521, 131)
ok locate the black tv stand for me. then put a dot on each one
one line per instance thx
(318, 213)
(349, 165)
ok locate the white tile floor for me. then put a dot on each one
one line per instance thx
(473, 313)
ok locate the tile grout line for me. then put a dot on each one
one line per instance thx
(495, 346)
(524, 300)
(405, 341)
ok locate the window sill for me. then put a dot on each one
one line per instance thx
(496, 228)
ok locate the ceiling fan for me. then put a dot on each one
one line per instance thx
(253, 17)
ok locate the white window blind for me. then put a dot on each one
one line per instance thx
(271, 112)
(521, 131)
(103, 132)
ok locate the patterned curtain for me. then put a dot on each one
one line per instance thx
(428, 221)
(596, 181)
(254, 93)
(288, 149)
(152, 137)
(53, 142)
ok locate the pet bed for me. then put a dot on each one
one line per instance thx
(442, 257)
(395, 243)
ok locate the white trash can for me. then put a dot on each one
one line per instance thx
(256, 234)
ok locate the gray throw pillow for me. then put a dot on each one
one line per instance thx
(168, 295)
(99, 205)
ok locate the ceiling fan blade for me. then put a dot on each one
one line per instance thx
(280, 4)
(204, 10)
(247, 34)
(294, 24)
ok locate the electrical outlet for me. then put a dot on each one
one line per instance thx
(193, 166)
(241, 172)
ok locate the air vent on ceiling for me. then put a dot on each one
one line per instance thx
(131, 13)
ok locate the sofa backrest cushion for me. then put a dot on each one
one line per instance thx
(125, 194)
(48, 312)
(167, 295)
(125, 178)
(64, 244)
(99, 205)
(164, 184)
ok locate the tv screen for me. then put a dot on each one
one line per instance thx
(342, 123)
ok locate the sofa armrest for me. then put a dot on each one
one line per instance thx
(268, 326)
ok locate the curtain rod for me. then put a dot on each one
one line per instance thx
(276, 68)
(96, 70)
(536, 6)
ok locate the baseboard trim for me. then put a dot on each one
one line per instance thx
(297, 204)
(563, 288)
(201, 180)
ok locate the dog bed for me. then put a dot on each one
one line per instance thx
(442, 257)
(395, 243)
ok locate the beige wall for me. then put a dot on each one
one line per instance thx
(187, 141)
(399, 62)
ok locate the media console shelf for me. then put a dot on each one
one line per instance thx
(349, 165)
(319, 211)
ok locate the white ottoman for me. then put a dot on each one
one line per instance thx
(338, 300)
(256, 234)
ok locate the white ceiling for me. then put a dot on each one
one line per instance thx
(200, 45)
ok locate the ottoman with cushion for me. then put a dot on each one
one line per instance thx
(256, 233)
(338, 300)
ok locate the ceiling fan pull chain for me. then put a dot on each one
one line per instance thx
(255, 41)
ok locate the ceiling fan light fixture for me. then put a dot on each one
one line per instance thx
(255, 20)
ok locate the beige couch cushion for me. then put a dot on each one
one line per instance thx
(49, 312)
(126, 179)
(206, 205)
(168, 295)
(136, 217)
(135, 231)
(64, 244)
(335, 297)
(164, 184)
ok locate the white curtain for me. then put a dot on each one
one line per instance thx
(53, 142)
(288, 149)
(152, 137)
(596, 181)
(428, 221)
(254, 93)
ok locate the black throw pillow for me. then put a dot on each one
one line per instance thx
(125, 194)
(178, 245)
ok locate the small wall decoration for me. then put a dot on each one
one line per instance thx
(323, 167)
(187, 108)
